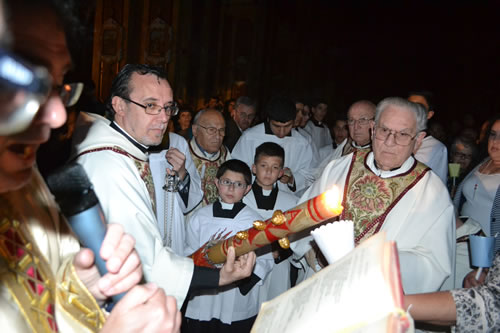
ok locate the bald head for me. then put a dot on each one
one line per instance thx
(359, 118)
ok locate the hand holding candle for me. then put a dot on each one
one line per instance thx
(307, 214)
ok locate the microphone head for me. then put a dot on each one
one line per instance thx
(72, 189)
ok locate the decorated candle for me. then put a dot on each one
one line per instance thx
(307, 214)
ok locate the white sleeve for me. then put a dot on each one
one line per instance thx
(125, 200)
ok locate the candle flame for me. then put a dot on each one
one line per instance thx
(333, 198)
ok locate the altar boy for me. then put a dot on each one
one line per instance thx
(265, 198)
(233, 308)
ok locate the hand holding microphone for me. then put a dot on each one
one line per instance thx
(109, 266)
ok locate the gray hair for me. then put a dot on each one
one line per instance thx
(245, 100)
(417, 109)
(201, 112)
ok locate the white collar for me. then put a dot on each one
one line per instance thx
(227, 206)
(387, 174)
(355, 145)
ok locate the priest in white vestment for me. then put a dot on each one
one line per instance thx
(116, 158)
(388, 190)
(359, 120)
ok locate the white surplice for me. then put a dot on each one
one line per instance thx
(125, 199)
(422, 223)
(177, 227)
(434, 154)
(320, 134)
(228, 305)
(299, 156)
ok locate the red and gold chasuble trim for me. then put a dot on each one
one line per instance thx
(208, 170)
(142, 167)
(368, 199)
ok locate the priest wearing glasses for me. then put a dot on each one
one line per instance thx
(116, 157)
(386, 189)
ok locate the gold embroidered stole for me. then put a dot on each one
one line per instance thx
(141, 165)
(208, 170)
(368, 199)
(28, 275)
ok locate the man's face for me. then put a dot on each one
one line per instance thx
(389, 154)
(244, 116)
(360, 120)
(210, 130)
(298, 118)
(42, 42)
(340, 131)
(319, 112)
(281, 129)
(494, 142)
(212, 103)
(232, 193)
(306, 115)
(268, 170)
(145, 128)
(462, 155)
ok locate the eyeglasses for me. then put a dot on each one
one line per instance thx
(494, 135)
(23, 89)
(462, 156)
(70, 93)
(213, 130)
(401, 138)
(360, 121)
(226, 182)
(171, 109)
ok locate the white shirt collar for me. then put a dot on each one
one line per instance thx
(226, 205)
(355, 145)
(387, 174)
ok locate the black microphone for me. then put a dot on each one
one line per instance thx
(74, 193)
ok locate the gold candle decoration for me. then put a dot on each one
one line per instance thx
(278, 218)
(259, 225)
(242, 235)
(307, 214)
(284, 243)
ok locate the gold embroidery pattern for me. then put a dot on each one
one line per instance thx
(83, 306)
(369, 198)
(147, 178)
(29, 277)
(209, 170)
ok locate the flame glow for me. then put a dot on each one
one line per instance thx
(333, 199)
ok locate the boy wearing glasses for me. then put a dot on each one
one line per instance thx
(266, 198)
(232, 308)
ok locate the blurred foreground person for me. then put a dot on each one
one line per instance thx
(48, 283)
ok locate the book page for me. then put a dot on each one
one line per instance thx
(344, 296)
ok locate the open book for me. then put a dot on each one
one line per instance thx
(361, 292)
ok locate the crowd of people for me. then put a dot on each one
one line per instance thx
(167, 191)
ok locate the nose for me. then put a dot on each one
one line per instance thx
(164, 117)
(390, 140)
(52, 113)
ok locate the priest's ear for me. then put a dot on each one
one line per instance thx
(118, 104)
